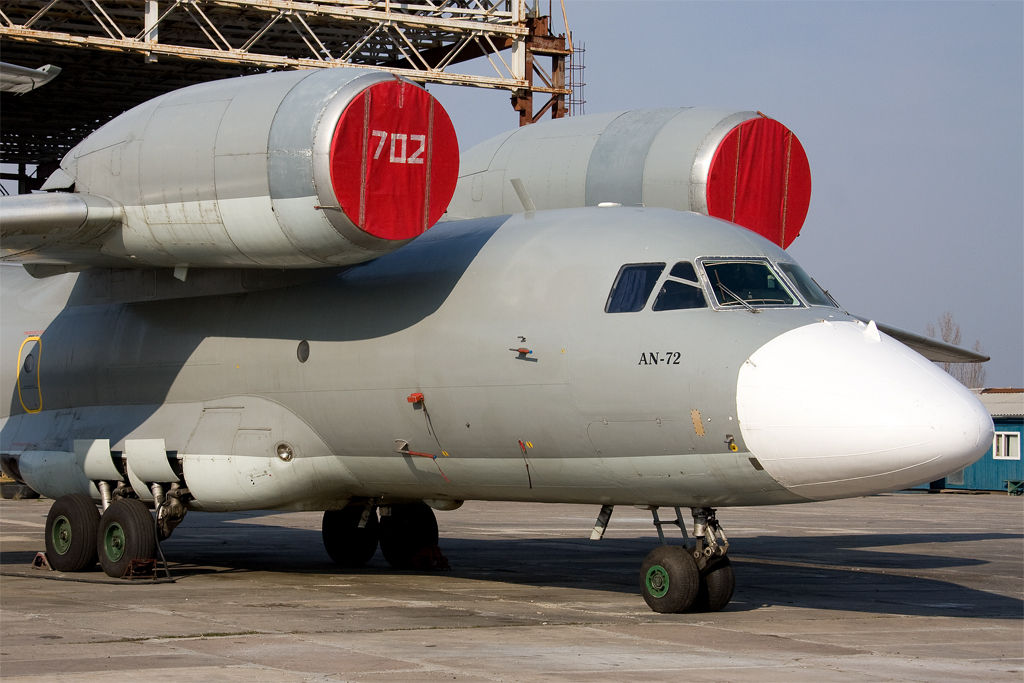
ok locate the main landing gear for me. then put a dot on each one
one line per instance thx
(407, 535)
(77, 535)
(71, 527)
(683, 578)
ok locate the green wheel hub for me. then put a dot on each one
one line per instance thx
(657, 581)
(61, 534)
(113, 542)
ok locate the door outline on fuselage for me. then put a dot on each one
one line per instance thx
(29, 370)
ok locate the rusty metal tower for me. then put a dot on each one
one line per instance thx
(114, 55)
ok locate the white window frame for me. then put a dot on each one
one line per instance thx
(1006, 446)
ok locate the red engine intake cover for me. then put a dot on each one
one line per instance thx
(760, 179)
(394, 160)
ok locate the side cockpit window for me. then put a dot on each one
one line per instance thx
(805, 284)
(681, 289)
(633, 286)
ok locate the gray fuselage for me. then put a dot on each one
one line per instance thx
(530, 390)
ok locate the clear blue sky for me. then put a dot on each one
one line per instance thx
(911, 114)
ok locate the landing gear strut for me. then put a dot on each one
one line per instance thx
(681, 578)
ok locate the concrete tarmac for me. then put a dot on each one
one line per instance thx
(906, 586)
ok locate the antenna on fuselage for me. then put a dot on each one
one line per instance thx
(524, 197)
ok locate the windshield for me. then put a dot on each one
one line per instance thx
(805, 284)
(746, 283)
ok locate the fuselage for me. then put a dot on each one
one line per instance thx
(484, 360)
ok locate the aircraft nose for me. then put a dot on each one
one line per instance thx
(837, 409)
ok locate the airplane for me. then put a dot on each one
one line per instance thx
(281, 292)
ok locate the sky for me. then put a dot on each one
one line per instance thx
(911, 114)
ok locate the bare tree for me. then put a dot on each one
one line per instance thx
(969, 374)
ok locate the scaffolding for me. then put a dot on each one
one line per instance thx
(576, 83)
(114, 55)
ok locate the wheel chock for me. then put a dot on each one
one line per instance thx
(40, 561)
(140, 569)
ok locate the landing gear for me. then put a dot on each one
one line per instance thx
(680, 578)
(408, 537)
(126, 532)
(71, 528)
(669, 579)
(350, 534)
(717, 583)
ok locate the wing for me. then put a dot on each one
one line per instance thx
(20, 79)
(57, 229)
(932, 349)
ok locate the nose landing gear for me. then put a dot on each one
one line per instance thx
(680, 578)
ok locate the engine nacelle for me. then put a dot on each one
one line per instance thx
(740, 166)
(288, 169)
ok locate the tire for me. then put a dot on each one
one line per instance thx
(345, 542)
(71, 526)
(717, 584)
(669, 579)
(406, 533)
(126, 533)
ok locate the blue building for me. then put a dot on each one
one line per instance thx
(1001, 468)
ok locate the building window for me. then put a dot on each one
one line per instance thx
(1006, 446)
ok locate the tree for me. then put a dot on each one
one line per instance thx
(969, 374)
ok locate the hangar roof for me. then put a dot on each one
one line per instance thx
(115, 55)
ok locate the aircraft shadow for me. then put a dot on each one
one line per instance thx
(837, 572)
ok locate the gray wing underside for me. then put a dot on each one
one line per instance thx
(932, 349)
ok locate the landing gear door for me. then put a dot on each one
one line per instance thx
(30, 391)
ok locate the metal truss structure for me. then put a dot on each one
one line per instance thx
(121, 53)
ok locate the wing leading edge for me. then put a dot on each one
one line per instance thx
(932, 349)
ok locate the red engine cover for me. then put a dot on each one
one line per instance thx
(394, 160)
(760, 179)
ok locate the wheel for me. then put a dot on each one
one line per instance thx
(669, 579)
(71, 533)
(126, 533)
(717, 584)
(406, 533)
(345, 542)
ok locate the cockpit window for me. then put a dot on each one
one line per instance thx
(805, 284)
(633, 286)
(746, 284)
(684, 292)
(684, 271)
(676, 295)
